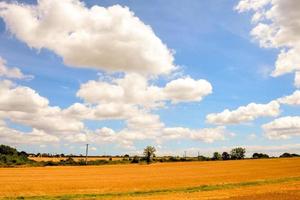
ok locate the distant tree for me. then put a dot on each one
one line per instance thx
(45, 155)
(285, 155)
(23, 154)
(7, 150)
(260, 155)
(225, 156)
(295, 155)
(203, 158)
(217, 156)
(237, 153)
(135, 159)
(149, 153)
(288, 155)
(126, 157)
(9, 156)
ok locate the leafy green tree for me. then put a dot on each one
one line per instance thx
(7, 150)
(260, 155)
(217, 156)
(149, 153)
(135, 159)
(10, 156)
(225, 156)
(238, 153)
(288, 155)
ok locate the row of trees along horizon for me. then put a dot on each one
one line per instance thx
(10, 157)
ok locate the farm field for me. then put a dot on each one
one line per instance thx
(57, 159)
(245, 179)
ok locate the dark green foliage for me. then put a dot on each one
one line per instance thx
(260, 155)
(149, 153)
(225, 156)
(174, 159)
(68, 161)
(289, 155)
(7, 150)
(135, 159)
(10, 156)
(203, 158)
(126, 157)
(237, 153)
(216, 156)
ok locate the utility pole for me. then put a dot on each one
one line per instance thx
(86, 153)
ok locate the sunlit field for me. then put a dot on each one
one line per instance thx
(57, 159)
(245, 179)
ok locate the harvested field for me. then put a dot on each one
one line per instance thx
(189, 180)
(57, 159)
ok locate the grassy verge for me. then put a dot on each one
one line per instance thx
(159, 191)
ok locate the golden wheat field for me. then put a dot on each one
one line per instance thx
(245, 179)
(57, 159)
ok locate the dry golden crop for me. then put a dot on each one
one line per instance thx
(33, 181)
(57, 159)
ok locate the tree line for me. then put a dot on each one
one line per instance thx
(9, 156)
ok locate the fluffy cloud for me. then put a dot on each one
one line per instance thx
(132, 89)
(297, 80)
(12, 72)
(20, 99)
(207, 135)
(110, 39)
(14, 137)
(104, 111)
(277, 26)
(23, 105)
(293, 99)
(282, 128)
(187, 89)
(135, 89)
(127, 137)
(245, 113)
(246, 5)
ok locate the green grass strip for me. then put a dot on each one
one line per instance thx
(159, 191)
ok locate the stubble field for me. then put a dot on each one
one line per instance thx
(57, 159)
(245, 179)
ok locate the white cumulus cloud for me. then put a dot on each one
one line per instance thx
(282, 128)
(293, 99)
(277, 25)
(111, 39)
(135, 89)
(11, 72)
(246, 113)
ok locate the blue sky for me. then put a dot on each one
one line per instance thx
(212, 41)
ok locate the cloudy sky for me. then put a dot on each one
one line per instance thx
(182, 76)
